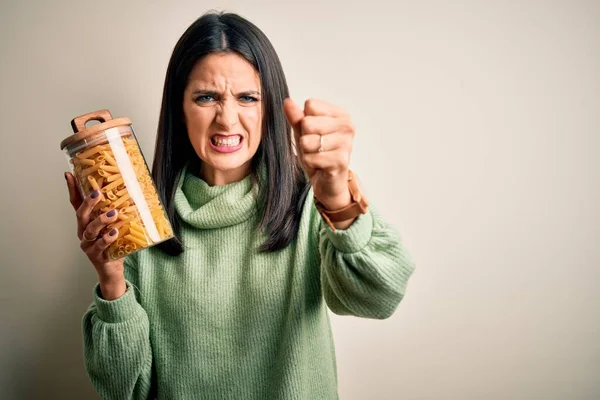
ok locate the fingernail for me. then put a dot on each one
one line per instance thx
(113, 232)
(111, 213)
(94, 194)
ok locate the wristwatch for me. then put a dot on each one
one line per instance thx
(358, 206)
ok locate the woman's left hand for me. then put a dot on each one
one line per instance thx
(324, 134)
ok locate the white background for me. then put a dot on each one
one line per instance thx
(477, 137)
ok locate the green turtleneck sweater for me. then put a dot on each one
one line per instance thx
(224, 321)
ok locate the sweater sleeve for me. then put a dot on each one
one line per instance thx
(364, 268)
(117, 352)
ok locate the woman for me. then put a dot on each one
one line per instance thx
(236, 306)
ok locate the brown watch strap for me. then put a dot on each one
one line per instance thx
(358, 206)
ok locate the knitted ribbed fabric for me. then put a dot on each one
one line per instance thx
(225, 321)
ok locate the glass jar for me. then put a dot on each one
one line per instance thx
(107, 157)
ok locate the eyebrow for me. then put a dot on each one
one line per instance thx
(214, 93)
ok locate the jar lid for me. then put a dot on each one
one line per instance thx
(80, 132)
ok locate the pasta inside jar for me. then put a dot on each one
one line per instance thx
(112, 163)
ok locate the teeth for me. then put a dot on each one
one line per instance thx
(227, 142)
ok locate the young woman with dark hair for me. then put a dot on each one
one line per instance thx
(268, 237)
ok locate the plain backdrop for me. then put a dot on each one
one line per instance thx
(477, 137)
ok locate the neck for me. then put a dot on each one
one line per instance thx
(215, 177)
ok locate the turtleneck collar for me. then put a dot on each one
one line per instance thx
(210, 207)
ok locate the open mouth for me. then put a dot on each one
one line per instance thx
(226, 141)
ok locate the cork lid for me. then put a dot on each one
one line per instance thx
(80, 132)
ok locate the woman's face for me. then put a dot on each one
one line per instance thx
(223, 115)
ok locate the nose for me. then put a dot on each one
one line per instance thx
(227, 116)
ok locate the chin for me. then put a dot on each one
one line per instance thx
(227, 165)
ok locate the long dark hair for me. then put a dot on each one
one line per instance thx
(283, 189)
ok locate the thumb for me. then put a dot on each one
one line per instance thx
(294, 115)
(74, 196)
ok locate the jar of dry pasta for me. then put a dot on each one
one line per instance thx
(107, 157)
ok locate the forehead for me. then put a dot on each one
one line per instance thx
(224, 69)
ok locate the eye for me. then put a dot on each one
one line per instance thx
(204, 99)
(248, 99)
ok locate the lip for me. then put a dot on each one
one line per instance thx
(225, 134)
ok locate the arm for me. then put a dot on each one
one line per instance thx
(117, 352)
(364, 268)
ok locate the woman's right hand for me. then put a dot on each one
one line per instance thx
(111, 274)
